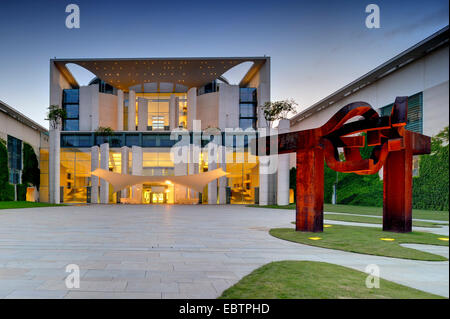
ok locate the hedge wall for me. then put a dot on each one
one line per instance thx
(6, 189)
(431, 188)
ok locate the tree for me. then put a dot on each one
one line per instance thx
(30, 172)
(104, 131)
(274, 111)
(56, 116)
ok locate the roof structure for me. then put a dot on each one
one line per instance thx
(424, 47)
(194, 181)
(5, 108)
(190, 72)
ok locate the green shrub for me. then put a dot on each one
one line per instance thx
(431, 187)
(30, 172)
(6, 189)
(22, 192)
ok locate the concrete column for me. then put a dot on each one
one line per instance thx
(119, 110)
(142, 114)
(223, 180)
(124, 168)
(54, 166)
(191, 107)
(104, 164)
(94, 179)
(212, 186)
(264, 162)
(283, 169)
(136, 169)
(180, 169)
(131, 111)
(193, 169)
(173, 112)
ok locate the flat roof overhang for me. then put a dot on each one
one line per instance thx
(123, 73)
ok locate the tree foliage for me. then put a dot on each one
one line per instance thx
(30, 172)
(274, 111)
(56, 116)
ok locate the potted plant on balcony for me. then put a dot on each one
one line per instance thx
(56, 116)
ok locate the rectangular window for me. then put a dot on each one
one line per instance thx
(14, 159)
(415, 112)
(247, 108)
(71, 105)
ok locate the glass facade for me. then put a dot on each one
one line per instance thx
(71, 105)
(247, 108)
(75, 175)
(43, 166)
(14, 159)
(158, 110)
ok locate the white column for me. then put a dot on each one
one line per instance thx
(119, 110)
(283, 169)
(142, 114)
(94, 179)
(193, 168)
(131, 111)
(54, 156)
(263, 173)
(104, 164)
(212, 186)
(136, 169)
(173, 112)
(180, 169)
(124, 168)
(191, 107)
(223, 180)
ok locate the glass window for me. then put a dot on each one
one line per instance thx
(72, 111)
(247, 123)
(71, 125)
(246, 110)
(149, 140)
(247, 94)
(71, 96)
(131, 140)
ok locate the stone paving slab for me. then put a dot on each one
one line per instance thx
(192, 251)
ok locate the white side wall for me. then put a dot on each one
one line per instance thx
(429, 75)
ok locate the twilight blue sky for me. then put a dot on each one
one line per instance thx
(316, 46)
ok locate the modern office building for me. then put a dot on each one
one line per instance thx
(420, 72)
(142, 102)
(16, 129)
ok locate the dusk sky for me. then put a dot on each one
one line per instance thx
(316, 47)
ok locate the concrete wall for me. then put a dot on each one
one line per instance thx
(11, 126)
(429, 75)
(107, 106)
(88, 107)
(228, 112)
(208, 109)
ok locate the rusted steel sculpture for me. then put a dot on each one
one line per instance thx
(394, 147)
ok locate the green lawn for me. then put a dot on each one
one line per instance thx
(315, 280)
(375, 220)
(366, 210)
(366, 240)
(23, 204)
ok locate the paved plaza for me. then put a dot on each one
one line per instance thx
(138, 251)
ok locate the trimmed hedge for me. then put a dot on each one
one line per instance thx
(6, 189)
(22, 192)
(431, 187)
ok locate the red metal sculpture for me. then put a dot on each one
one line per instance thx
(394, 147)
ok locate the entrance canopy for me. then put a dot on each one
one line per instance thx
(196, 181)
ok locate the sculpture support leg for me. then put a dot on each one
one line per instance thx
(397, 178)
(309, 197)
